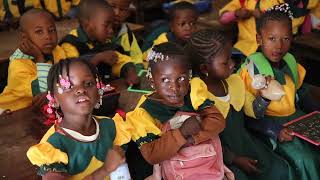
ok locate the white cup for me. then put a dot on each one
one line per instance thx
(121, 173)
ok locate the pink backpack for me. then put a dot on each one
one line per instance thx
(201, 162)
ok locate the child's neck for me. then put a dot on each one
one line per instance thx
(217, 87)
(83, 124)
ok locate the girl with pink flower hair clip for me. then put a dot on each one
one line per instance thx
(79, 145)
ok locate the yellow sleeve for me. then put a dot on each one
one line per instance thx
(58, 54)
(302, 74)
(122, 60)
(123, 131)
(199, 92)
(70, 50)
(248, 107)
(45, 154)
(312, 4)
(144, 126)
(231, 6)
(135, 51)
(18, 92)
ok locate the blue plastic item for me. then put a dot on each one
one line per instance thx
(201, 5)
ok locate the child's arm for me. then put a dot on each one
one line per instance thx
(154, 145)
(233, 11)
(212, 123)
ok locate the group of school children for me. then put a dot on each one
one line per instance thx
(203, 120)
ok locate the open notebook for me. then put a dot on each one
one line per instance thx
(307, 127)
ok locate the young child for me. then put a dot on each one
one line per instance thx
(274, 37)
(247, 157)
(79, 145)
(245, 13)
(92, 40)
(182, 18)
(30, 63)
(174, 128)
(123, 35)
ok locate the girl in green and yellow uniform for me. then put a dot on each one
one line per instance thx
(274, 37)
(246, 156)
(79, 145)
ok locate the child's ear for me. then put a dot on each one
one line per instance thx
(259, 39)
(23, 35)
(151, 83)
(203, 68)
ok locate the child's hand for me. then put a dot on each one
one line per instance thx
(285, 135)
(107, 57)
(247, 164)
(114, 158)
(28, 47)
(131, 76)
(191, 126)
(243, 13)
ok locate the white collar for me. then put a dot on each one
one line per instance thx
(123, 29)
(81, 137)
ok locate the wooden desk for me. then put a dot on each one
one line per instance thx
(307, 46)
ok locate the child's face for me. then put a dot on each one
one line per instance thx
(83, 95)
(184, 24)
(100, 25)
(121, 11)
(221, 66)
(42, 32)
(275, 40)
(171, 82)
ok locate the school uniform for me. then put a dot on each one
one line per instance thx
(236, 139)
(302, 156)
(63, 150)
(26, 78)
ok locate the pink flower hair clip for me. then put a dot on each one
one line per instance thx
(63, 84)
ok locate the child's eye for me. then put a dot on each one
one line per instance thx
(272, 38)
(181, 79)
(52, 30)
(165, 80)
(286, 39)
(89, 84)
(39, 31)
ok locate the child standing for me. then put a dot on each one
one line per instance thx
(172, 127)
(182, 19)
(123, 35)
(30, 63)
(274, 37)
(247, 157)
(92, 39)
(78, 145)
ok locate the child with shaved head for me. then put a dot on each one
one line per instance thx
(30, 63)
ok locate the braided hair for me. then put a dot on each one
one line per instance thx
(279, 13)
(205, 45)
(167, 51)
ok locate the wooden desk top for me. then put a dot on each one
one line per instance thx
(310, 40)
(307, 46)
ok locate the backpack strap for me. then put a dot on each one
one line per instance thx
(43, 5)
(265, 68)
(59, 5)
(7, 9)
(21, 6)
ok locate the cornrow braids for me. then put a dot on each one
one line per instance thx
(183, 5)
(168, 52)
(204, 45)
(279, 13)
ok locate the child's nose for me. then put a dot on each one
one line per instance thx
(174, 86)
(80, 90)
